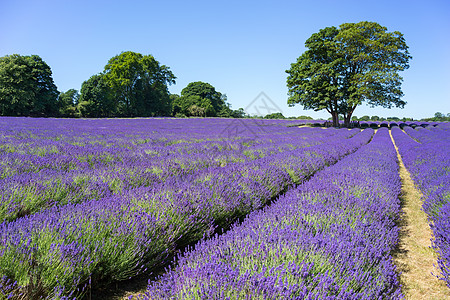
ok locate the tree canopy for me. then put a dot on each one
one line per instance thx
(439, 117)
(201, 99)
(347, 66)
(276, 115)
(139, 83)
(26, 87)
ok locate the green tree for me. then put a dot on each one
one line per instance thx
(140, 84)
(96, 98)
(276, 115)
(239, 113)
(27, 87)
(202, 95)
(346, 66)
(439, 117)
(67, 103)
(194, 105)
(393, 119)
(227, 112)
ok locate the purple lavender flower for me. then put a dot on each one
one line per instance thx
(87, 202)
(330, 238)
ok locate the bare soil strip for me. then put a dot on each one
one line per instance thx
(414, 257)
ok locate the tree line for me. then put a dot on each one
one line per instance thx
(131, 85)
(342, 68)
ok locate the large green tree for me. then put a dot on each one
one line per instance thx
(140, 84)
(200, 99)
(347, 66)
(27, 87)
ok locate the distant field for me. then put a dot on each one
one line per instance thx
(275, 209)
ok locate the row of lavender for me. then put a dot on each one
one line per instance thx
(56, 162)
(330, 238)
(427, 158)
(59, 251)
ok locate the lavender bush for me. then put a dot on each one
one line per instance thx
(41, 168)
(92, 201)
(330, 238)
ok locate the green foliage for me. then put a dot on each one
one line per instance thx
(227, 112)
(26, 87)
(239, 113)
(194, 105)
(139, 85)
(180, 115)
(68, 102)
(342, 68)
(314, 80)
(364, 118)
(276, 115)
(200, 99)
(439, 117)
(96, 98)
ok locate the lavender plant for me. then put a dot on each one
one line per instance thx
(330, 238)
(42, 168)
(125, 221)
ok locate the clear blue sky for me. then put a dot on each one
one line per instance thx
(240, 47)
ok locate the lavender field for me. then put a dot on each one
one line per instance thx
(251, 209)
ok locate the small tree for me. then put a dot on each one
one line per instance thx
(239, 113)
(68, 102)
(276, 115)
(202, 95)
(439, 115)
(342, 68)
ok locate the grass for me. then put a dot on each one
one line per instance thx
(415, 258)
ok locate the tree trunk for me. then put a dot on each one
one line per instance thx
(348, 115)
(335, 117)
(347, 120)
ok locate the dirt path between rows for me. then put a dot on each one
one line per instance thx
(414, 257)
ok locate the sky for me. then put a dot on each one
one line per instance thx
(242, 48)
